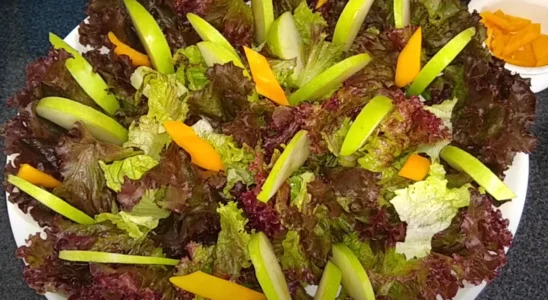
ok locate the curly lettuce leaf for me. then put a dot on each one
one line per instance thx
(335, 140)
(191, 68)
(444, 111)
(200, 258)
(428, 207)
(133, 168)
(148, 135)
(308, 22)
(231, 250)
(299, 193)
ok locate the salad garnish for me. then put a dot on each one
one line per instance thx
(270, 150)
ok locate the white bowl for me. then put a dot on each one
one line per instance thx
(534, 10)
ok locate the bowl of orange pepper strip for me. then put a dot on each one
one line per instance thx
(517, 40)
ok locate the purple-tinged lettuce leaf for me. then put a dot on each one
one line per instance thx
(200, 258)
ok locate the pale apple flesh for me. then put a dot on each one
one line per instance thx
(50, 200)
(367, 121)
(350, 21)
(151, 37)
(330, 79)
(263, 15)
(209, 33)
(82, 71)
(292, 158)
(65, 113)
(354, 278)
(216, 54)
(267, 269)
(329, 284)
(285, 41)
(463, 161)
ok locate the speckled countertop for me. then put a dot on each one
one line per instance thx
(24, 27)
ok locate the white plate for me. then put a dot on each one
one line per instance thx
(516, 178)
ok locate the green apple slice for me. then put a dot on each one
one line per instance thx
(285, 41)
(463, 161)
(267, 269)
(354, 277)
(440, 61)
(402, 13)
(151, 37)
(329, 285)
(65, 112)
(217, 54)
(50, 200)
(350, 21)
(209, 33)
(263, 14)
(114, 258)
(82, 71)
(330, 79)
(367, 121)
(292, 158)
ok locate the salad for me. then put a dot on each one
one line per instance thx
(267, 150)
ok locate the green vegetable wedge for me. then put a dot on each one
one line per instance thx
(350, 21)
(292, 158)
(329, 284)
(263, 14)
(463, 161)
(50, 200)
(151, 36)
(330, 79)
(440, 61)
(82, 71)
(354, 277)
(209, 33)
(367, 121)
(267, 269)
(114, 258)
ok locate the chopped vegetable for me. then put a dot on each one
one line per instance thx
(329, 284)
(350, 22)
(37, 177)
(114, 258)
(137, 58)
(264, 78)
(354, 278)
(409, 60)
(55, 203)
(208, 33)
(415, 167)
(214, 288)
(201, 152)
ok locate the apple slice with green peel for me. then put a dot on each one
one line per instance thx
(151, 37)
(209, 33)
(65, 113)
(263, 14)
(367, 121)
(50, 200)
(329, 285)
(114, 258)
(354, 277)
(267, 269)
(440, 61)
(402, 13)
(463, 161)
(82, 71)
(330, 79)
(217, 54)
(350, 21)
(292, 158)
(285, 41)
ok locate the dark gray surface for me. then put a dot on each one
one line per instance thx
(24, 27)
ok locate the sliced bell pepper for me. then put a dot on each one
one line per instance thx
(521, 38)
(409, 60)
(137, 58)
(415, 167)
(265, 80)
(37, 177)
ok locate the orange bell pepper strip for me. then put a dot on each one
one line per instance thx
(265, 80)
(523, 57)
(37, 177)
(415, 167)
(137, 58)
(409, 60)
(540, 47)
(521, 38)
(214, 288)
(320, 3)
(497, 20)
(201, 152)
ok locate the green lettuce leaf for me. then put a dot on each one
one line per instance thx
(293, 256)
(428, 207)
(148, 135)
(298, 184)
(362, 250)
(335, 140)
(231, 250)
(200, 258)
(133, 167)
(443, 111)
(236, 160)
(144, 216)
(191, 68)
(284, 71)
(307, 22)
